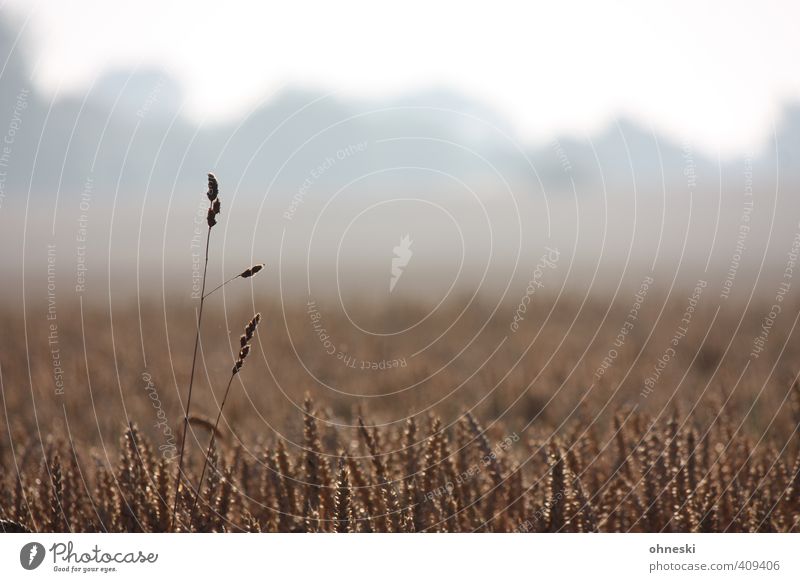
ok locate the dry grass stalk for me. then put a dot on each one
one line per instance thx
(344, 510)
(244, 342)
(213, 211)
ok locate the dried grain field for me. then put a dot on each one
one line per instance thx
(566, 426)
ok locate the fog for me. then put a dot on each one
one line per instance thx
(106, 188)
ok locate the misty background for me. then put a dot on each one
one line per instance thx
(104, 183)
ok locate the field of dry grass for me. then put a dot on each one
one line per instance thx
(551, 427)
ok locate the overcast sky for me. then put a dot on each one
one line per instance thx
(716, 74)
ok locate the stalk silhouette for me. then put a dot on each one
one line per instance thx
(211, 219)
(244, 350)
(246, 274)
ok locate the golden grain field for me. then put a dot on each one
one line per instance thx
(642, 412)
(524, 438)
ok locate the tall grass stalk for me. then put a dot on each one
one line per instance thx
(244, 341)
(213, 210)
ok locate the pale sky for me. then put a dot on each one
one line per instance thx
(715, 74)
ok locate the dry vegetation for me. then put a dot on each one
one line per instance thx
(647, 477)
(543, 447)
(480, 429)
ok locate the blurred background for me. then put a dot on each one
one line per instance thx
(630, 138)
(396, 166)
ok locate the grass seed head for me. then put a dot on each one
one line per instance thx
(213, 187)
(244, 342)
(247, 273)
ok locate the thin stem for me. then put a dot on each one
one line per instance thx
(208, 452)
(191, 384)
(220, 286)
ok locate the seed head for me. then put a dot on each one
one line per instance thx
(244, 342)
(214, 205)
(213, 187)
(251, 271)
(213, 210)
(251, 326)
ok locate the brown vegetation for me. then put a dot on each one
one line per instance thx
(635, 415)
(667, 476)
